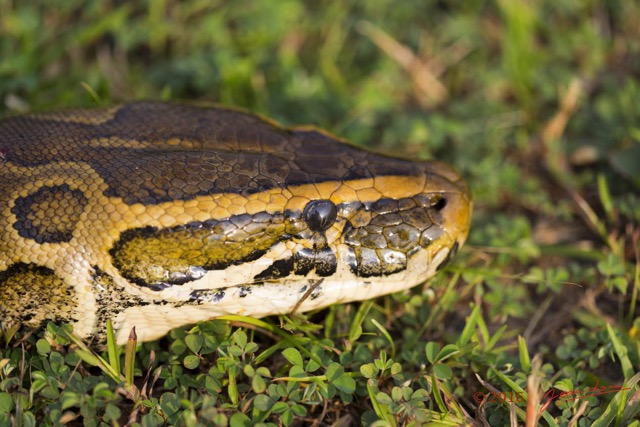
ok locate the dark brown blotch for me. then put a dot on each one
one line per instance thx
(50, 214)
(159, 258)
(179, 152)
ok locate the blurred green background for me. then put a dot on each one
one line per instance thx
(535, 102)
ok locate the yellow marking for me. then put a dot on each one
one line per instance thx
(368, 194)
(410, 184)
(96, 116)
(114, 216)
(117, 142)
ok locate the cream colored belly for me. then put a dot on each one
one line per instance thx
(154, 321)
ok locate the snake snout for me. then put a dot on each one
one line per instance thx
(451, 199)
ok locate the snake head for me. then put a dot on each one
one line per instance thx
(414, 228)
(157, 215)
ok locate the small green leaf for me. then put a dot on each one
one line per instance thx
(432, 349)
(297, 372)
(312, 366)
(368, 370)
(43, 346)
(612, 265)
(355, 330)
(396, 368)
(383, 398)
(406, 393)
(355, 333)
(334, 371)
(421, 395)
(191, 361)
(240, 338)
(212, 385)
(442, 371)
(194, 342)
(112, 412)
(564, 384)
(239, 420)
(263, 371)
(251, 347)
(170, 403)
(258, 384)
(262, 402)
(287, 417)
(249, 371)
(620, 283)
(293, 356)
(6, 403)
(235, 350)
(345, 384)
(178, 347)
(70, 399)
(280, 407)
(448, 351)
(299, 410)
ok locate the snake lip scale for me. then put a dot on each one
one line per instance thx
(158, 215)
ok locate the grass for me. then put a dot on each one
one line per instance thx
(535, 102)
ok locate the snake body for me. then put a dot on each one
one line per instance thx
(157, 215)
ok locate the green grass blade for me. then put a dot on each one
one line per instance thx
(621, 351)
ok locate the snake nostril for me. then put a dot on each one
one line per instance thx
(438, 202)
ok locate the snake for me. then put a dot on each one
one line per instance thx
(156, 215)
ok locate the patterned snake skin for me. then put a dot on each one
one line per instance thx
(157, 215)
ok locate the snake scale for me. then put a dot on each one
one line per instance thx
(157, 215)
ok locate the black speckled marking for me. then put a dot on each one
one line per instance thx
(31, 294)
(323, 261)
(50, 214)
(279, 269)
(207, 296)
(111, 300)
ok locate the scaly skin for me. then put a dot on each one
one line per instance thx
(157, 215)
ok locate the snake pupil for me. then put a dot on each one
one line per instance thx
(320, 214)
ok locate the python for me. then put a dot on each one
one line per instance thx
(157, 215)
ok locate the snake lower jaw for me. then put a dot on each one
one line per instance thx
(302, 295)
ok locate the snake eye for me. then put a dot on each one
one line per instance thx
(320, 214)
